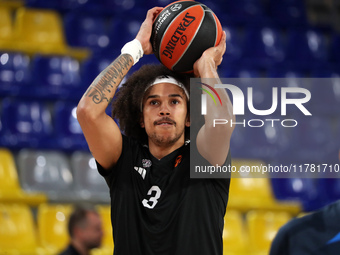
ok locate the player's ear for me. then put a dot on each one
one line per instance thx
(141, 121)
(187, 120)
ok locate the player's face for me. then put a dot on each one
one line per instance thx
(92, 234)
(165, 114)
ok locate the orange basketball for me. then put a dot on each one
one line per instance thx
(182, 32)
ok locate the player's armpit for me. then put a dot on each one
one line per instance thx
(104, 139)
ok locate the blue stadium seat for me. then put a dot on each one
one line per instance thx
(263, 94)
(288, 12)
(245, 11)
(263, 46)
(131, 8)
(57, 77)
(334, 48)
(305, 190)
(162, 3)
(233, 44)
(15, 74)
(50, 4)
(240, 76)
(287, 70)
(326, 93)
(241, 72)
(124, 29)
(306, 47)
(266, 140)
(331, 186)
(26, 124)
(218, 7)
(313, 141)
(239, 141)
(67, 129)
(2, 128)
(327, 71)
(92, 67)
(91, 6)
(88, 6)
(147, 59)
(86, 30)
(338, 133)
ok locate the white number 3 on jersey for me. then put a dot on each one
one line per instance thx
(151, 203)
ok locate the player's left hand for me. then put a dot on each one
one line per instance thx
(211, 58)
(145, 30)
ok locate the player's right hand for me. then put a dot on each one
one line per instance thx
(145, 30)
(211, 58)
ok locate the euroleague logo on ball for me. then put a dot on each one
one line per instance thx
(176, 7)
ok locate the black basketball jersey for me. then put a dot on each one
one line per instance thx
(156, 209)
(317, 233)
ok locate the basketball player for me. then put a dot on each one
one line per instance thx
(155, 207)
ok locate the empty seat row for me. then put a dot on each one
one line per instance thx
(62, 179)
(53, 77)
(39, 176)
(285, 12)
(35, 31)
(51, 175)
(268, 44)
(252, 234)
(313, 193)
(323, 86)
(250, 190)
(50, 77)
(295, 137)
(314, 139)
(32, 124)
(292, 191)
(10, 188)
(262, 45)
(20, 233)
(63, 77)
(48, 32)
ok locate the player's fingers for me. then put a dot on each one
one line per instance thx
(152, 13)
(222, 45)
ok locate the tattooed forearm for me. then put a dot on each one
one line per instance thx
(106, 83)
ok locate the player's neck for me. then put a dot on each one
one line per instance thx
(160, 151)
(79, 247)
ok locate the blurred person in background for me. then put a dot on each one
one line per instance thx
(317, 233)
(85, 230)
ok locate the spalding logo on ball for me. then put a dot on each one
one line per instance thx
(182, 31)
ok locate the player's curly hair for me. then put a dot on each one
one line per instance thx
(127, 102)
